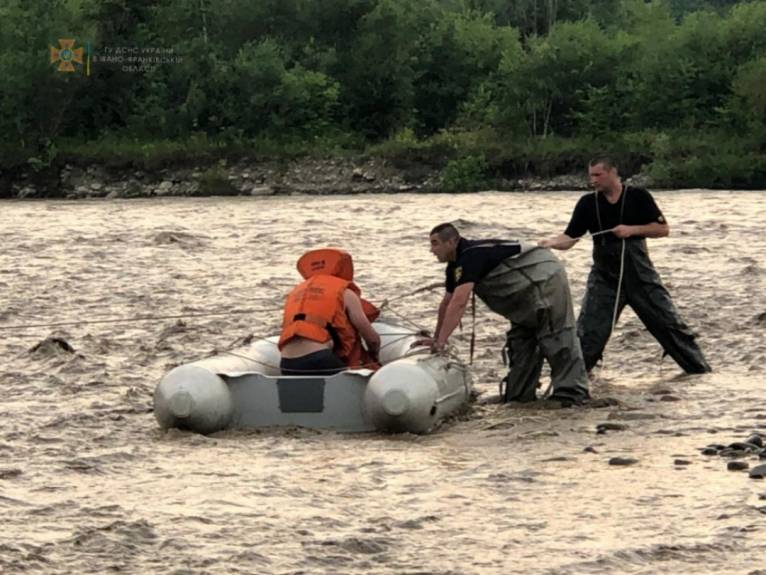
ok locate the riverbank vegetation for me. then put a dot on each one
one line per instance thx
(479, 88)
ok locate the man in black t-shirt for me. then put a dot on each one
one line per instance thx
(528, 286)
(620, 218)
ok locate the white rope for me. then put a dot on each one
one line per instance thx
(575, 240)
(599, 233)
(429, 287)
(619, 286)
(135, 319)
(407, 320)
(206, 314)
(616, 301)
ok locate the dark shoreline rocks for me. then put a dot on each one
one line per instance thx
(623, 461)
(253, 178)
(739, 450)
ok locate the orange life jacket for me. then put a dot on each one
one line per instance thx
(315, 308)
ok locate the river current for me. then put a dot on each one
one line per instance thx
(90, 484)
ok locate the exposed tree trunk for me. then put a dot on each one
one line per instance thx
(547, 121)
(552, 10)
(203, 13)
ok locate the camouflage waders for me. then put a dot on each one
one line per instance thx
(532, 291)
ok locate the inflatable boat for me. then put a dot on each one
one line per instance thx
(243, 388)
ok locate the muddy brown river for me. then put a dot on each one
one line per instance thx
(90, 484)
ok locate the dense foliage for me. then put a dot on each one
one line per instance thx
(488, 87)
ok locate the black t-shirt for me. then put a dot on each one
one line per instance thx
(636, 207)
(476, 258)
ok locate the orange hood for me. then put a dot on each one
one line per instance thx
(338, 263)
(329, 261)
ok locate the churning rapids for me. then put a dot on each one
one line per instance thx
(89, 483)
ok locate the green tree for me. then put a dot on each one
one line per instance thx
(37, 101)
(266, 95)
(545, 87)
(377, 73)
(748, 102)
(453, 57)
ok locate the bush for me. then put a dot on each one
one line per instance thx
(467, 174)
(213, 182)
(710, 160)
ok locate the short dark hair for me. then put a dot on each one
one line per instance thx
(606, 161)
(445, 231)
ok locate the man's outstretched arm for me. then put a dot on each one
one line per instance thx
(652, 230)
(454, 312)
(559, 242)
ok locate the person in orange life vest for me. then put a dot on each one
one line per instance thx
(325, 319)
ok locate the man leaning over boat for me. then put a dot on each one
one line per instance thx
(528, 286)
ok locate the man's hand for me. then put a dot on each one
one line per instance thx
(437, 347)
(430, 343)
(623, 231)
